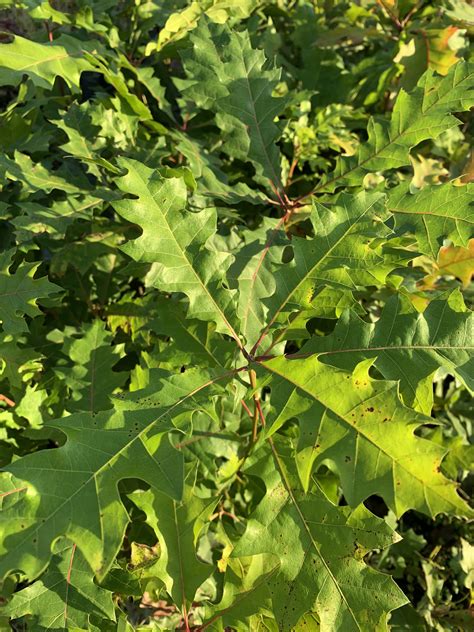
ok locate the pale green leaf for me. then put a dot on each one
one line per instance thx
(55, 218)
(360, 425)
(175, 241)
(211, 180)
(246, 592)
(42, 63)
(180, 23)
(259, 251)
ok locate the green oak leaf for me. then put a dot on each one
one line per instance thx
(186, 19)
(359, 425)
(321, 549)
(72, 491)
(115, 78)
(241, 356)
(245, 595)
(178, 525)
(461, 11)
(345, 253)
(406, 345)
(251, 273)
(30, 404)
(329, 303)
(55, 218)
(35, 177)
(212, 181)
(419, 115)
(175, 241)
(19, 293)
(84, 139)
(65, 597)
(16, 361)
(227, 75)
(192, 341)
(42, 63)
(434, 214)
(92, 379)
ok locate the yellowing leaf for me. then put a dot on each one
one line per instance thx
(180, 23)
(435, 49)
(426, 171)
(455, 261)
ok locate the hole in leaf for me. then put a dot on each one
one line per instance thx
(376, 505)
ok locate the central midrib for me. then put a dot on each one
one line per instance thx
(357, 430)
(377, 153)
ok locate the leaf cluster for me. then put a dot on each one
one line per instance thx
(235, 329)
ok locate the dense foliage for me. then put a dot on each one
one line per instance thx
(235, 342)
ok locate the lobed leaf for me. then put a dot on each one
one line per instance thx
(178, 525)
(42, 63)
(405, 345)
(175, 241)
(418, 115)
(65, 597)
(230, 77)
(360, 425)
(434, 214)
(72, 491)
(322, 568)
(345, 252)
(19, 292)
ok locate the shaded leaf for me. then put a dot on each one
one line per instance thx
(231, 78)
(19, 293)
(92, 379)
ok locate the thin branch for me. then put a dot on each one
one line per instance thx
(7, 400)
(411, 13)
(255, 416)
(49, 31)
(246, 408)
(390, 14)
